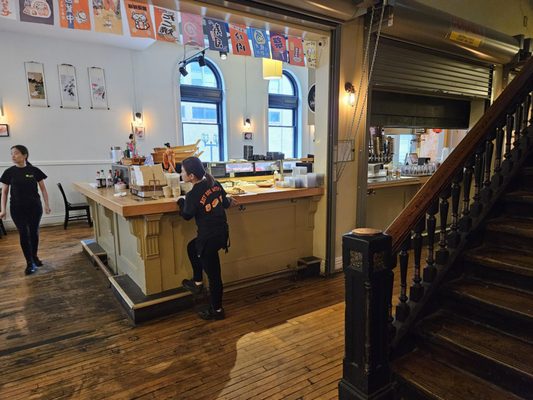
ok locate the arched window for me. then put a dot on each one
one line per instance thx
(283, 115)
(201, 109)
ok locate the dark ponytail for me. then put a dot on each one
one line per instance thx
(193, 165)
(23, 150)
(210, 180)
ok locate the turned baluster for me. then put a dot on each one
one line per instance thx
(430, 271)
(475, 209)
(486, 193)
(525, 124)
(402, 309)
(517, 151)
(454, 237)
(497, 177)
(417, 290)
(465, 224)
(507, 165)
(444, 205)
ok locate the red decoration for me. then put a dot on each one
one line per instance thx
(437, 130)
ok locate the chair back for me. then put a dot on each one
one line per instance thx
(63, 194)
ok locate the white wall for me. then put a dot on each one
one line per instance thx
(70, 145)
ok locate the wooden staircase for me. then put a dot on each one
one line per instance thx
(478, 344)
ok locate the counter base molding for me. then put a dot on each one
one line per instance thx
(141, 308)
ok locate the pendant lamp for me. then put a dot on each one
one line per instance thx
(272, 69)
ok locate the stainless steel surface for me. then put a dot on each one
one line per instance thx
(426, 26)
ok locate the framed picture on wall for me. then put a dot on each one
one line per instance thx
(139, 131)
(68, 86)
(98, 89)
(4, 130)
(36, 85)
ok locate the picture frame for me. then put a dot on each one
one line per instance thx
(248, 136)
(36, 84)
(4, 130)
(138, 131)
(68, 86)
(98, 88)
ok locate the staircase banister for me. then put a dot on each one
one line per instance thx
(401, 227)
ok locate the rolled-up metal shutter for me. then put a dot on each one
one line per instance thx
(405, 68)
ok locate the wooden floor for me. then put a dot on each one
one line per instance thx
(64, 336)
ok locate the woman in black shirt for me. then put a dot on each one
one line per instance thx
(206, 202)
(25, 204)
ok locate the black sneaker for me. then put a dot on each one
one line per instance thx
(210, 314)
(37, 262)
(30, 269)
(192, 287)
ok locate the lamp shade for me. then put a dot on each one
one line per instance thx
(272, 69)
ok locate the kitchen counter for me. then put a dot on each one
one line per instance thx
(145, 242)
(131, 205)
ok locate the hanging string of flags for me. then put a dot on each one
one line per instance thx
(148, 21)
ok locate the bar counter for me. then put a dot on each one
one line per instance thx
(145, 241)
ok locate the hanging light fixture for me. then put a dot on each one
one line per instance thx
(247, 123)
(272, 69)
(201, 59)
(183, 70)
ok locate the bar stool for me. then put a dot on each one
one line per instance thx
(74, 207)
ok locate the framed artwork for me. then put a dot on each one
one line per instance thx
(4, 130)
(98, 89)
(68, 86)
(139, 131)
(36, 84)
(248, 135)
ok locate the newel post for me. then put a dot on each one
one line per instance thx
(367, 263)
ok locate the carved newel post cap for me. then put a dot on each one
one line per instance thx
(366, 231)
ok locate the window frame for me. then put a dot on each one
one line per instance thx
(205, 95)
(286, 102)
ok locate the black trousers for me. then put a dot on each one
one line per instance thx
(206, 259)
(27, 219)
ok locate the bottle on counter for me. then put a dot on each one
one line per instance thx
(109, 181)
(98, 182)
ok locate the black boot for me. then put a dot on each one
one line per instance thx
(37, 262)
(191, 286)
(30, 269)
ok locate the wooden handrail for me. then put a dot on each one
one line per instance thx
(416, 208)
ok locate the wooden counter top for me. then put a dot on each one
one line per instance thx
(130, 206)
(384, 183)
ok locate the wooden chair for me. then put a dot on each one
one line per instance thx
(75, 207)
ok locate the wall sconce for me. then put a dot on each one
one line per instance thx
(350, 93)
(247, 123)
(3, 117)
(272, 69)
(138, 119)
(223, 55)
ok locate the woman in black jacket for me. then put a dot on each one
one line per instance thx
(206, 202)
(25, 204)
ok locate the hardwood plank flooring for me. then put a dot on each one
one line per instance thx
(63, 335)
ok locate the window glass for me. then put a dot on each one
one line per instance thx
(281, 86)
(282, 116)
(201, 115)
(199, 76)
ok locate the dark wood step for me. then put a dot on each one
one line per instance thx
(507, 309)
(519, 203)
(500, 358)
(435, 380)
(511, 232)
(501, 265)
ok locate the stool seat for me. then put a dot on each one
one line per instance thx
(74, 207)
